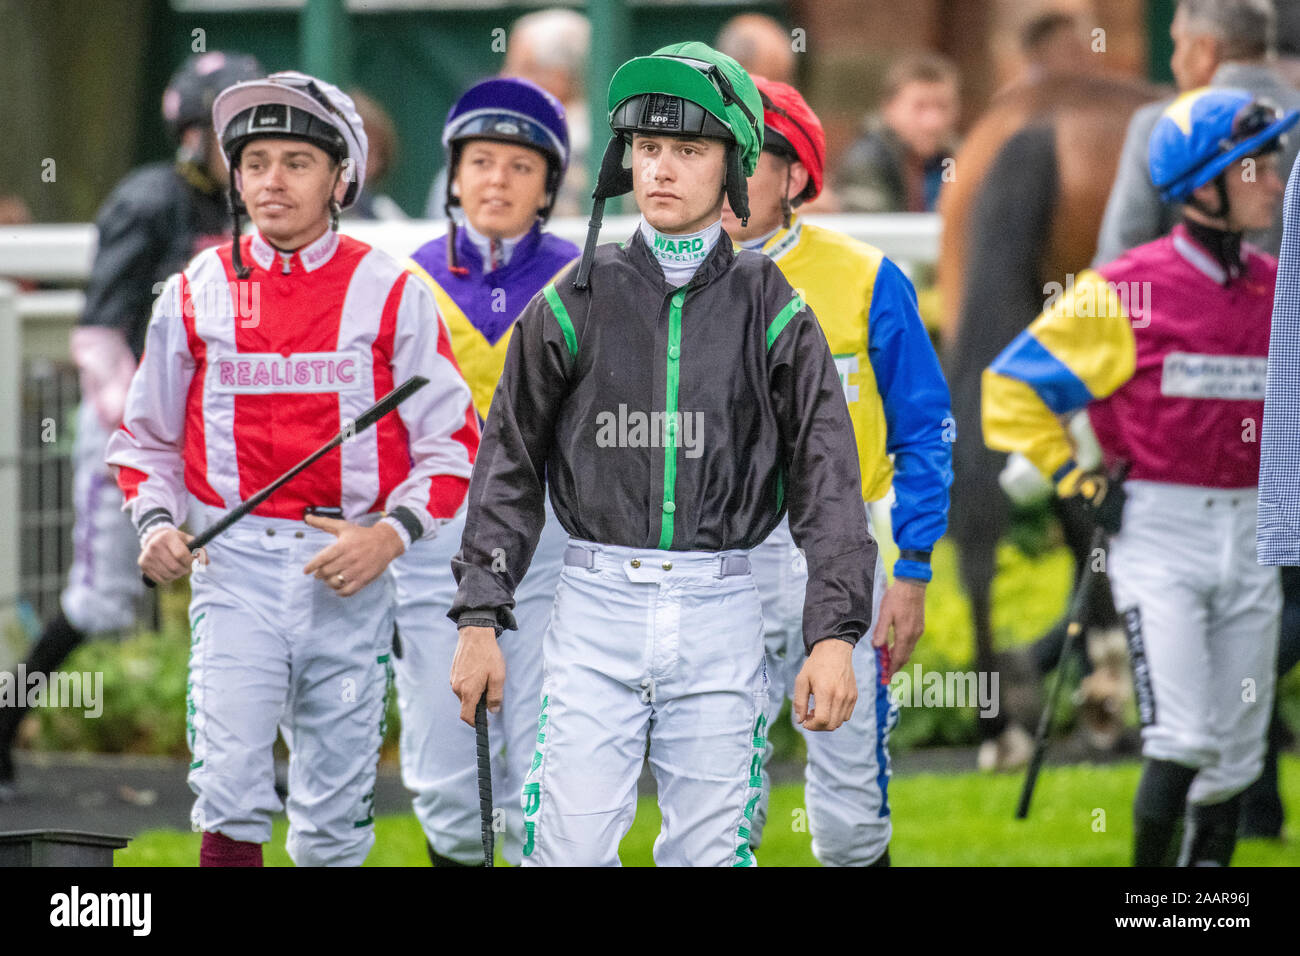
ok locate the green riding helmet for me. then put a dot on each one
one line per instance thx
(686, 89)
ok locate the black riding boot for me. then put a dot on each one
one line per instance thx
(1158, 811)
(56, 642)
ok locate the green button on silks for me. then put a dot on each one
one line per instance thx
(669, 507)
(674, 352)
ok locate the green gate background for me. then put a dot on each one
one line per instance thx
(413, 63)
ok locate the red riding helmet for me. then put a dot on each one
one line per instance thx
(793, 129)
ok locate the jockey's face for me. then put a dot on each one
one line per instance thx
(773, 178)
(286, 186)
(677, 181)
(1255, 191)
(501, 187)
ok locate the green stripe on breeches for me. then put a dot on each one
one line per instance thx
(368, 801)
(532, 793)
(745, 856)
(191, 708)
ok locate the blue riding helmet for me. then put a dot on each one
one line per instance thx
(507, 110)
(1205, 131)
(510, 110)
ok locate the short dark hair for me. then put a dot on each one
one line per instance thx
(919, 68)
(1041, 28)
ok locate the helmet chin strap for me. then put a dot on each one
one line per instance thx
(736, 185)
(335, 209)
(1221, 189)
(453, 230)
(614, 180)
(787, 210)
(236, 212)
(1218, 236)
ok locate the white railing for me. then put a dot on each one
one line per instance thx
(36, 324)
(63, 253)
(908, 238)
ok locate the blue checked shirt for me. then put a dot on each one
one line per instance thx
(1278, 540)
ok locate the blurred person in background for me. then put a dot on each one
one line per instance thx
(760, 44)
(14, 212)
(897, 164)
(549, 48)
(151, 225)
(1223, 43)
(765, 48)
(380, 157)
(1288, 41)
(1219, 43)
(1054, 42)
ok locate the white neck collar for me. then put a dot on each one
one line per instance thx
(495, 253)
(680, 255)
(757, 243)
(309, 257)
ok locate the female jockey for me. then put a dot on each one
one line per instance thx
(508, 147)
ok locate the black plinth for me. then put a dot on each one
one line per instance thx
(58, 848)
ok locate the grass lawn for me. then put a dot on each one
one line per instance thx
(1081, 817)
